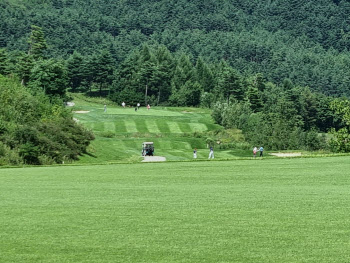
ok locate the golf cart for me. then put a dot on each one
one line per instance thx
(147, 149)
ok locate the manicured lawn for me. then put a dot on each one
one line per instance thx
(171, 129)
(270, 210)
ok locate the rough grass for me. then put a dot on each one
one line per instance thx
(271, 210)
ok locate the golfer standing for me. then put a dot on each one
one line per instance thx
(261, 149)
(211, 153)
(195, 153)
(254, 151)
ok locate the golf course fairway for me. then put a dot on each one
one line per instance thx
(263, 210)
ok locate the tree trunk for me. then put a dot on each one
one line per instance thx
(158, 97)
(146, 95)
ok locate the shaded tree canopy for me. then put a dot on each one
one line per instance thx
(305, 41)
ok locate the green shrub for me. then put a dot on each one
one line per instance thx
(107, 134)
(29, 153)
(37, 130)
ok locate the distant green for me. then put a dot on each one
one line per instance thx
(120, 132)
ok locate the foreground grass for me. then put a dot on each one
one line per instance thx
(271, 210)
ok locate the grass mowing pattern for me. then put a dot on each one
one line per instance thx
(109, 126)
(120, 127)
(272, 210)
(169, 128)
(152, 126)
(197, 127)
(131, 126)
(141, 126)
(162, 126)
(174, 127)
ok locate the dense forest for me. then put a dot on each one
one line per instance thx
(307, 42)
(278, 70)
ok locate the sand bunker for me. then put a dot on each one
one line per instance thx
(81, 111)
(286, 154)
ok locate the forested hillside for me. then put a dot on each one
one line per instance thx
(269, 68)
(307, 42)
(35, 129)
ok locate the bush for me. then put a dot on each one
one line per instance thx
(29, 153)
(340, 141)
(37, 130)
(207, 100)
(107, 134)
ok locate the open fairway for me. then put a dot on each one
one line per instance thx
(120, 132)
(271, 210)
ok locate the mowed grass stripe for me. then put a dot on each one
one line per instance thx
(180, 145)
(109, 126)
(163, 126)
(141, 126)
(198, 127)
(162, 144)
(185, 127)
(120, 126)
(152, 126)
(131, 144)
(174, 127)
(88, 125)
(99, 126)
(130, 126)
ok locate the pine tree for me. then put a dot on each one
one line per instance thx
(3, 61)
(49, 75)
(259, 82)
(2, 41)
(24, 67)
(75, 67)
(229, 83)
(37, 42)
(163, 73)
(204, 75)
(254, 99)
(104, 67)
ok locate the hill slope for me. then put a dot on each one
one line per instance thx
(175, 132)
(307, 42)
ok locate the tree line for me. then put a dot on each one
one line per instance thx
(307, 42)
(35, 126)
(280, 116)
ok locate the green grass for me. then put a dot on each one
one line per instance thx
(120, 132)
(270, 210)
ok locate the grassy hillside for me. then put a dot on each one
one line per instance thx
(273, 210)
(174, 131)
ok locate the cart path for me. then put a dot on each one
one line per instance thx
(154, 159)
(286, 154)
